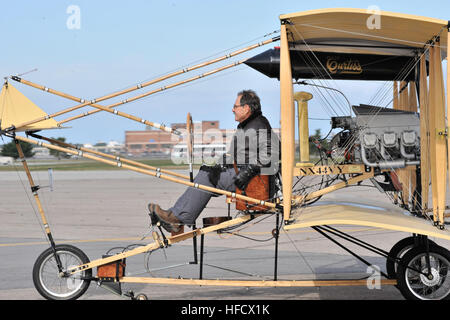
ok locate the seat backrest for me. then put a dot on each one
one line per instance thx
(259, 188)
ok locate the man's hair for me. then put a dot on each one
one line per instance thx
(251, 98)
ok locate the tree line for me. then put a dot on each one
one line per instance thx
(10, 150)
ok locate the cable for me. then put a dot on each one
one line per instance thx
(199, 60)
(31, 203)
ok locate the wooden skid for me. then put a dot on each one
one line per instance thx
(253, 283)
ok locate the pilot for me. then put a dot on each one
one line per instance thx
(253, 150)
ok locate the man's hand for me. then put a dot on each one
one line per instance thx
(245, 175)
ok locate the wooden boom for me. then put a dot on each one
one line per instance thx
(95, 105)
(120, 164)
(135, 163)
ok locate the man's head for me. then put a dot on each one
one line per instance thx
(247, 103)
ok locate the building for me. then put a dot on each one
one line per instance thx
(154, 141)
(42, 153)
(112, 147)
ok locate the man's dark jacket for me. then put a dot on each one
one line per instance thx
(255, 143)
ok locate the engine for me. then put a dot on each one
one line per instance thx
(378, 137)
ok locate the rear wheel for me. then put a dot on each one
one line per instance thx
(55, 285)
(418, 279)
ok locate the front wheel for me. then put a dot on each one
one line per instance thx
(54, 285)
(420, 278)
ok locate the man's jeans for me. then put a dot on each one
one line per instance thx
(192, 202)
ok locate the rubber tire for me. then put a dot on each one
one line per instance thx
(402, 284)
(44, 256)
(141, 296)
(398, 251)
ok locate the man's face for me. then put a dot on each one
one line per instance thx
(240, 112)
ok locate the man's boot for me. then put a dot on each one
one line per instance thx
(167, 218)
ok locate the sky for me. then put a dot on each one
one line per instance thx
(92, 48)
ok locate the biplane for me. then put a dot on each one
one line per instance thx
(401, 147)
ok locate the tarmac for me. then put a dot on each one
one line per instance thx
(106, 211)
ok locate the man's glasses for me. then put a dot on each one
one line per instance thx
(238, 105)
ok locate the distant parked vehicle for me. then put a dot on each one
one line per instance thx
(6, 160)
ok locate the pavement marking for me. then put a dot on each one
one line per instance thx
(71, 241)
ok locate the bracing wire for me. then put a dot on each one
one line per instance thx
(200, 60)
(323, 72)
(39, 222)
